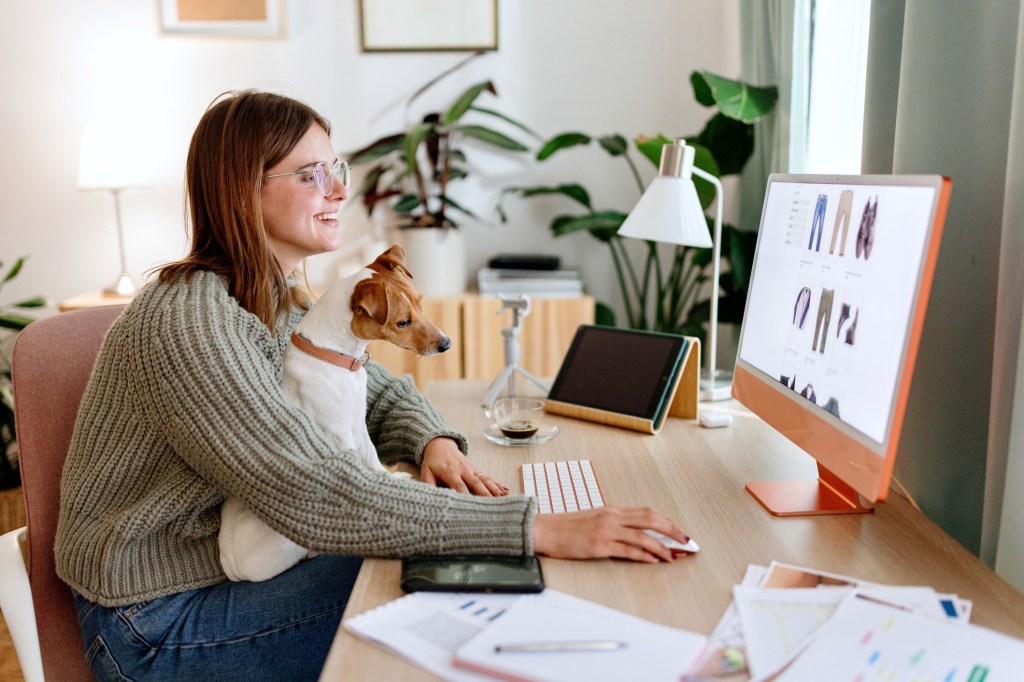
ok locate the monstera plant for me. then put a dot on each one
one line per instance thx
(661, 290)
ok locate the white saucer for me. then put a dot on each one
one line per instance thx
(543, 435)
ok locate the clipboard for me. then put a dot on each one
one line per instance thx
(627, 378)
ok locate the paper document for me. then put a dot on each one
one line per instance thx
(425, 628)
(872, 641)
(649, 651)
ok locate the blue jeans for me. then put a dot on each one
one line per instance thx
(280, 629)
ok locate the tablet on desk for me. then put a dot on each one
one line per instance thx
(621, 377)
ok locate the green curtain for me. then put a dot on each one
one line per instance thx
(775, 50)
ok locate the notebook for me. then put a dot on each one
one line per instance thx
(652, 652)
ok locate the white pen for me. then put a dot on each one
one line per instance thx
(584, 645)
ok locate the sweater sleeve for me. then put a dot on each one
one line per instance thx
(209, 377)
(401, 421)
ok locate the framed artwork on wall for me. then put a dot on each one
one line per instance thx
(242, 18)
(429, 25)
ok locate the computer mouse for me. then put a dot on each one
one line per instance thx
(714, 420)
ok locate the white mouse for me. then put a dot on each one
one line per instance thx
(714, 420)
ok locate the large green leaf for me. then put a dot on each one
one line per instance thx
(735, 99)
(571, 190)
(492, 137)
(407, 203)
(13, 272)
(560, 142)
(731, 142)
(377, 149)
(465, 101)
(604, 315)
(742, 246)
(448, 201)
(12, 321)
(614, 144)
(507, 119)
(413, 139)
(601, 224)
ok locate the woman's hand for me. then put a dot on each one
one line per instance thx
(444, 464)
(606, 532)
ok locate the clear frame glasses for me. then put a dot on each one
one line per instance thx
(322, 175)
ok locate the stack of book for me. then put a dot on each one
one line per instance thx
(538, 276)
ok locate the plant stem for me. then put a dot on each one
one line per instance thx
(622, 282)
(636, 173)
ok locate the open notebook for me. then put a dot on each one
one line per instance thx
(650, 651)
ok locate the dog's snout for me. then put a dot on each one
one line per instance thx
(445, 344)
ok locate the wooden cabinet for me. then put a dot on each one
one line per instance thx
(474, 324)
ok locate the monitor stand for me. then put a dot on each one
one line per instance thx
(826, 495)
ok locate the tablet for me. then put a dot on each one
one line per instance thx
(620, 370)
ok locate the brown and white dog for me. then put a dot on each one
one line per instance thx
(324, 375)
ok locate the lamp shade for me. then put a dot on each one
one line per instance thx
(114, 156)
(669, 210)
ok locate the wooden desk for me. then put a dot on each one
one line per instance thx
(696, 476)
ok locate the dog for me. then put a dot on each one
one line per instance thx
(324, 375)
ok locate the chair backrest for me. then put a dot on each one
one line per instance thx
(51, 363)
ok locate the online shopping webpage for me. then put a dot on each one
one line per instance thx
(832, 291)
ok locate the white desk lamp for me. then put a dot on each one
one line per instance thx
(669, 211)
(114, 159)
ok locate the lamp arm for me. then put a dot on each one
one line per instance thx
(715, 270)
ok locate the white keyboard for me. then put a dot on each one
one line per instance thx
(562, 487)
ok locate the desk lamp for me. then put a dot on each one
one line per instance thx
(112, 159)
(669, 211)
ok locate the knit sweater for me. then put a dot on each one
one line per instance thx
(185, 407)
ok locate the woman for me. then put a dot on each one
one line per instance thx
(185, 408)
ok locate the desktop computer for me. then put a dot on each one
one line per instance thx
(834, 314)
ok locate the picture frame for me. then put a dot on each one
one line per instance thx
(428, 25)
(228, 18)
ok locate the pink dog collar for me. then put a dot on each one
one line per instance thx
(329, 356)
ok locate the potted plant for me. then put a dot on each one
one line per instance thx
(413, 171)
(13, 318)
(663, 291)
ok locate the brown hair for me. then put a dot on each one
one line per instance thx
(241, 135)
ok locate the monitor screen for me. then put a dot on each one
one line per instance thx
(834, 311)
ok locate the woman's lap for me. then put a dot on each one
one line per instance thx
(278, 629)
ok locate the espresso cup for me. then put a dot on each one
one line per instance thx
(516, 418)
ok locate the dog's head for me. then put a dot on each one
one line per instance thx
(386, 306)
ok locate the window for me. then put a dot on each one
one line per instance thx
(838, 66)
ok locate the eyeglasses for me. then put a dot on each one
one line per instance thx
(322, 175)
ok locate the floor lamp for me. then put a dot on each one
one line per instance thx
(669, 211)
(112, 160)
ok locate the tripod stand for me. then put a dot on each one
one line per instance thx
(520, 307)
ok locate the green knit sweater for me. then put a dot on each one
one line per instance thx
(185, 407)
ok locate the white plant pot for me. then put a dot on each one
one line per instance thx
(436, 258)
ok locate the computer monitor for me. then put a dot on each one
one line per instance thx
(834, 313)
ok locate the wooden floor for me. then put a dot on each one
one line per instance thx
(12, 515)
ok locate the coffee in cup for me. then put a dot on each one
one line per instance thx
(516, 418)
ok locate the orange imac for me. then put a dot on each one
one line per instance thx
(834, 313)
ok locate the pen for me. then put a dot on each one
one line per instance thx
(584, 645)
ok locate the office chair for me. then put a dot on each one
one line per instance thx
(51, 363)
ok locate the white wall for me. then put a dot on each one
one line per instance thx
(562, 64)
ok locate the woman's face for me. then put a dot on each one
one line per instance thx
(300, 221)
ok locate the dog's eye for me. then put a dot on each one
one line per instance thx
(404, 323)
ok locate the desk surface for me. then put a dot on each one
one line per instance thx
(695, 476)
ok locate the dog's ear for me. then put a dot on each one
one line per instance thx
(392, 260)
(371, 296)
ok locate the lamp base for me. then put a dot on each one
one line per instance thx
(124, 286)
(720, 389)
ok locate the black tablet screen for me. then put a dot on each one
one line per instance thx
(618, 370)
